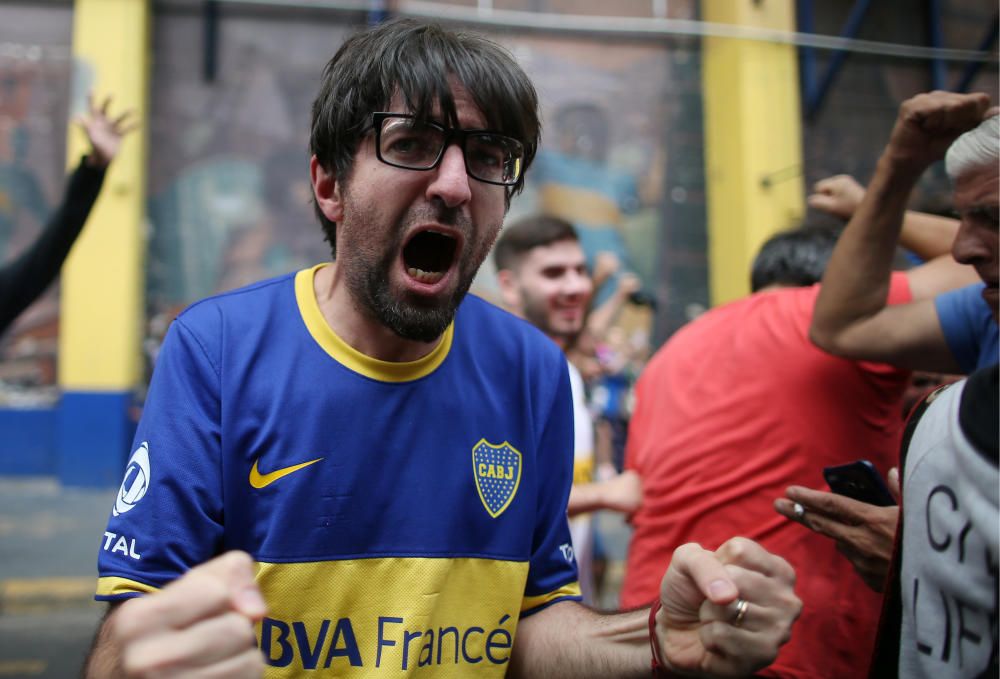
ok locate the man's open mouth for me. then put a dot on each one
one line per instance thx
(428, 256)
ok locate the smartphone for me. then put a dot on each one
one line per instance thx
(859, 481)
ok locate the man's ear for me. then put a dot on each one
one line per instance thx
(509, 293)
(326, 190)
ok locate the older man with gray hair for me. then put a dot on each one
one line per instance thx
(940, 619)
(956, 332)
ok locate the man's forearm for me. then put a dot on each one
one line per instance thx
(27, 277)
(622, 493)
(856, 282)
(926, 235)
(103, 659)
(705, 597)
(584, 497)
(602, 646)
(848, 318)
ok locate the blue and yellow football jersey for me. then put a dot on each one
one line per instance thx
(403, 516)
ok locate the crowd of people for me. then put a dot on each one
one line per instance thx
(753, 400)
(358, 469)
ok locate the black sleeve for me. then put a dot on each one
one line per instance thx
(27, 277)
(977, 413)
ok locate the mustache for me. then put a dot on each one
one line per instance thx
(437, 211)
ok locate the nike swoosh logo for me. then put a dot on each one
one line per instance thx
(258, 480)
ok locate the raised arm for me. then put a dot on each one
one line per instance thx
(601, 318)
(723, 614)
(852, 318)
(27, 277)
(925, 235)
(104, 132)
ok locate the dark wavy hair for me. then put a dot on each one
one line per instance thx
(416, 60)
(797, 257)
(528, 233)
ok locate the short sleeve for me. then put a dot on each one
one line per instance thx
(552, 574)
(167, 516)
(968, 326)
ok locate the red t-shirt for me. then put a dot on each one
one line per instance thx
(738, 405)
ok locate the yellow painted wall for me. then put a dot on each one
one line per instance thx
(103, 281)
(752, 132)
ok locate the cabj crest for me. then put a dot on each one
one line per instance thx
(497, 470)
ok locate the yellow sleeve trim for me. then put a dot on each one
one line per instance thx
(583, 471)
(112, 586)
(348, 356)
(531, 602)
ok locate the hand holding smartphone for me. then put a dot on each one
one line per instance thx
(859, 481)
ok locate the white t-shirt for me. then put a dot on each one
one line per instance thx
(951, 527)
(581, 527)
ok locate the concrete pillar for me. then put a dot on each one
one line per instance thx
(753, 140)
(103, 282)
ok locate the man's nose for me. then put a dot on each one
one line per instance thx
(451, 181)
(578, 284)
(968, 247)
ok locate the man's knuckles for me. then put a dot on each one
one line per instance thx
(783, 570)
(235, 568)
(944, 112)
(794, 608)
(738, 550)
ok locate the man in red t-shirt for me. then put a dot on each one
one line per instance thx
(739, 405)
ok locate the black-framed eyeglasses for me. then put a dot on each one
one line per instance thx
(403, 141)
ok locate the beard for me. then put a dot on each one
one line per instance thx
(369, 282)
(410, 319)
(535, 310)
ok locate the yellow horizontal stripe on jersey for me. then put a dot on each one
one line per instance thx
(111, 586)
(390, 617)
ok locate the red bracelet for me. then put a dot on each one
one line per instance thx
(657, 666)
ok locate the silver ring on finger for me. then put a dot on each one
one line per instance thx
(741, 612)
(799, 511)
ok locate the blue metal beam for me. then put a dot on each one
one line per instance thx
(973, 67)
(850, 30)
(210, 40)
(807, 55)
(935, 39)
(378, 11)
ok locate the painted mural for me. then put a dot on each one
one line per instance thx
(229, 168)
(603, 158)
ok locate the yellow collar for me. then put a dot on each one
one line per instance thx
(348, 356)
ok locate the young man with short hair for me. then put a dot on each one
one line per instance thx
(543, 278)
